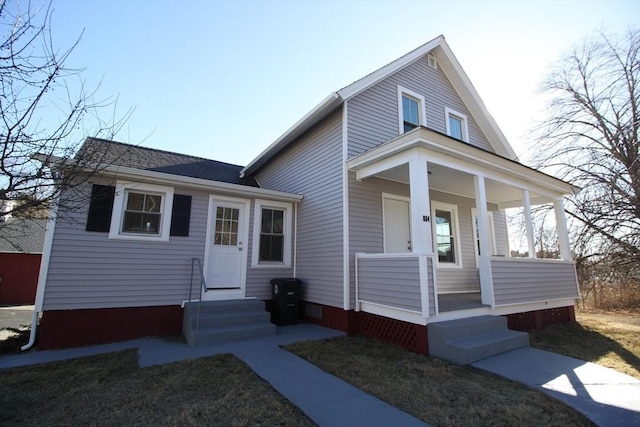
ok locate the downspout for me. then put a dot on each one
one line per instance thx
(295, 239)
(42, 276)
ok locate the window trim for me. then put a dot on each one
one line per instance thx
(117, 217)
(453, 209)
(474, 231)
(422, 114)
(259, 204)
(448, 112)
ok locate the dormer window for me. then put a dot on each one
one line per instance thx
(456, 125)
(411, 108)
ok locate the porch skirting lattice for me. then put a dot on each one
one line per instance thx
(536, 320)
(404, 334)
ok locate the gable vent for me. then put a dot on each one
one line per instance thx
(431, 60)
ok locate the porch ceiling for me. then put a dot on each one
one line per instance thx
(452, 165)
(447, 180)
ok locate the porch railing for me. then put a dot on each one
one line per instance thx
(203, 287)
(528, 280)
(403, 282)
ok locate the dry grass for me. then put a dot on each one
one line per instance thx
(435, 391)
(111, 389)
(611, 340)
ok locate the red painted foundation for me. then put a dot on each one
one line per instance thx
(73, 328)
(18, 278)
(414, 337)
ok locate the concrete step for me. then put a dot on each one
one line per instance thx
(213, 320)
(466, 341)
(231, 333)
(470, 326)
(224, 306)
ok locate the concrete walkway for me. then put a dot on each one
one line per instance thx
(605, 396)
(325, 399)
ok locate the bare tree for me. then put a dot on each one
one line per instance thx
(590, 138)
(44, 112)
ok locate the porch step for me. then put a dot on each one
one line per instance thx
(465, 341)
(224, 321)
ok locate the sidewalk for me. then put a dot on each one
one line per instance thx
(325, 399)
(605, 396)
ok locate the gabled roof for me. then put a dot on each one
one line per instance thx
(119, 154)
(451, 67)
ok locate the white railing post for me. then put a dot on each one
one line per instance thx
(423, 268)
(357, 293)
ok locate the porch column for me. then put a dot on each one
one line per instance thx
(561, 228)
(421, 240)
(484, 262)
(528, 223)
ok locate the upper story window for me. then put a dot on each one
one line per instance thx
(272, 225)
(411, 109)
(141, 212)
(446, 234)
(456, 124)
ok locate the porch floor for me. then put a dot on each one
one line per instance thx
(462, 301)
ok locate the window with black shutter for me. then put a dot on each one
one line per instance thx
(100, 208)
(180, 215)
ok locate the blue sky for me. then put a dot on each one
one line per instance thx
(223, 80)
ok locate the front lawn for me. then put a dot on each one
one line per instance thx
(111, 389)
(611, 340)
(433, 390)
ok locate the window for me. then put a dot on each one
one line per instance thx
(141, 212)
(411, 110)
(226, 233)
(272, 234)
(446, 235)
(476, 240)
(456, 124)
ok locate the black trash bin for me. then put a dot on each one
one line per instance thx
(286, 297)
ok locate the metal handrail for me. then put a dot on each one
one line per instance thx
(203, 286)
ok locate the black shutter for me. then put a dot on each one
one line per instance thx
(100, 207)
(180, 215)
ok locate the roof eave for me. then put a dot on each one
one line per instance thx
(314, 116)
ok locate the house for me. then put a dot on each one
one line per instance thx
(21, 241)
(387, 200)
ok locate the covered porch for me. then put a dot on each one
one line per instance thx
(403, 282)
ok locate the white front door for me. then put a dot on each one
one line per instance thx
(397, 231)
(227, 238)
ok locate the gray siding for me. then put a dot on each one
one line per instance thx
(366, 230)
(465, 279)
(312, 166)
(259, 278)
(522, 281)
(87, 270)
(394, 282)
(501, 233)
(373, 114)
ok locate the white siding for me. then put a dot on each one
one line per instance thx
(373, 114)
(312, 166)
(520, 280)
